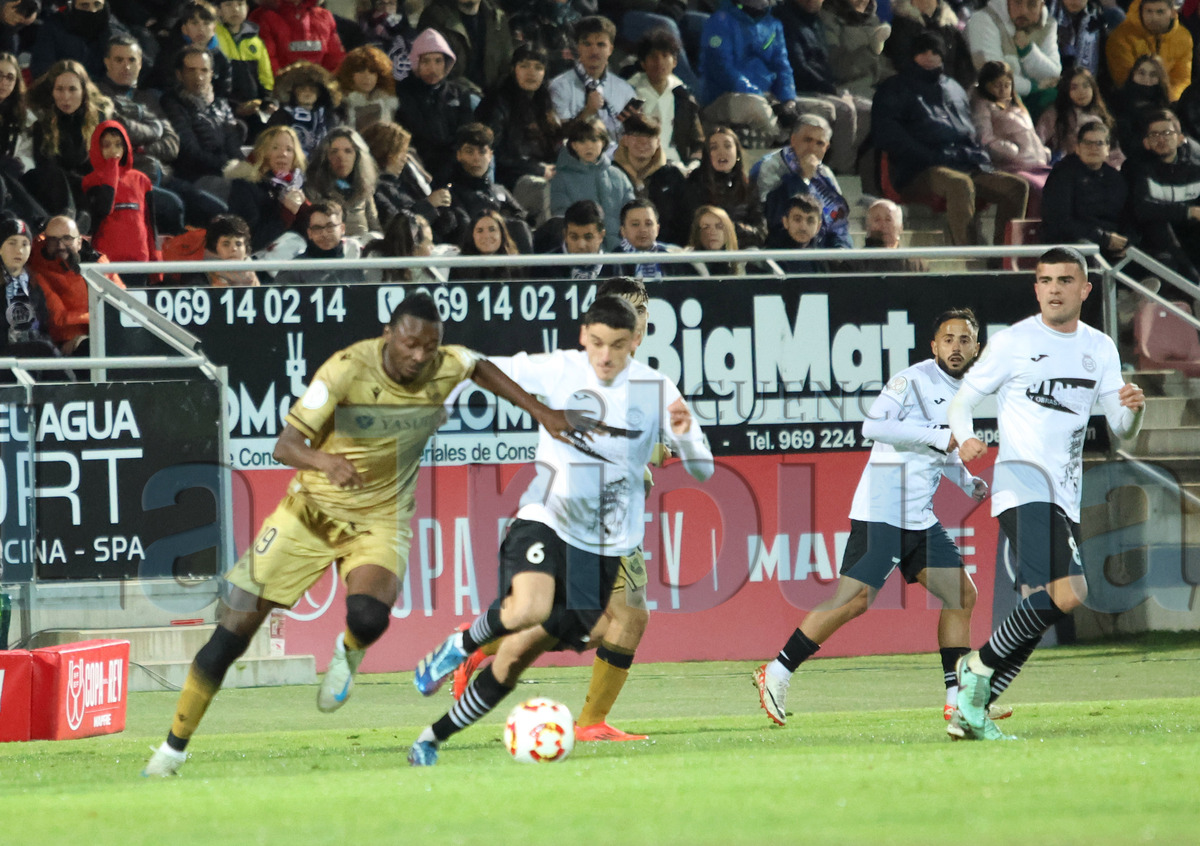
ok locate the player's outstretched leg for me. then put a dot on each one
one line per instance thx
(204, 679)
(366, 620)
(488, 690)
(851, 599)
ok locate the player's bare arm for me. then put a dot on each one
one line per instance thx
(293, 450)
(489, 377)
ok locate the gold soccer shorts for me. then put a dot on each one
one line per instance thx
(297, 542)
(632, 578)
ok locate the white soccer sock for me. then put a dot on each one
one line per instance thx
(952, 695)
(777, 671)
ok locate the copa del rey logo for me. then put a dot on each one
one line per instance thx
(93, 684)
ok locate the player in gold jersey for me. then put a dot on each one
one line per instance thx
(356, 437)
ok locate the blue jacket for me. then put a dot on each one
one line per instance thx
(922, 119)
(739, 54)
(601, 181)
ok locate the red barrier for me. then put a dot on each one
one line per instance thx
(78, 689)
(16, 672)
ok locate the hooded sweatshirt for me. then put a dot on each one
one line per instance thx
(433, 113)
(123, 227)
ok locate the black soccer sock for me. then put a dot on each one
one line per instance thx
(950, 656)
(486, 628)
(797, 650)
(1025, 625)
(484, 694)
(1009, 667)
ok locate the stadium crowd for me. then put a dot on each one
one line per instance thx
(184, 130)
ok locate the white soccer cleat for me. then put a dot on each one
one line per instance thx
(339, 677)
(165, 762)
(772, 694)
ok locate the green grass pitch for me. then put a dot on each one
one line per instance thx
(1109, 754)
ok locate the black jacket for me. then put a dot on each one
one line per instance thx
(922, 119)
(209, 134)
(1081, 204)
(433, 114)
(808, 49)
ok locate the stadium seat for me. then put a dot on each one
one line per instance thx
(1018, 232)
(938, 204)
(1166, 341)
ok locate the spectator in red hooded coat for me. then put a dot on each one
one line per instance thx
(118, 198)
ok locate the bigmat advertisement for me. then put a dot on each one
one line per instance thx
(780, 374)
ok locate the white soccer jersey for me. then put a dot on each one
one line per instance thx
(1046, 383)
(908, 424)
(592, 495)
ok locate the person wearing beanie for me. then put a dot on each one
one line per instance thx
(432, 106)
(24, 321)
(922, 122)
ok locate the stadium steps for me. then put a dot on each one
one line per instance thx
(1169, 441)
(160, 656)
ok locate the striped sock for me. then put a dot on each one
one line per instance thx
(486, 628)
(484, 694)
(1020, 632)
(950, 656)
(1009, 667)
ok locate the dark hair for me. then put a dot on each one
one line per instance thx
(399, 241)
(1096, 125)
(530, 50)
(629, 288)
(658, 41)
(420, 305)
(805, 202)
(507, 245)
(584, 213)
(224, 226)
(1064, 106)
(1064, 255)
(1158, 116)
(964, 314)
(640, 203)
(475, 134)
(611, 311)
(719, 189)
(989, 72)
(640, 124)
(122, 41)
(1163, 89)
(587, 130)
(595, 24)
(329, 208)
(192, 50)
(197, 9)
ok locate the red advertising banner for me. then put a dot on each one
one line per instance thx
(16, 674)
(79, 689)
(727, 581)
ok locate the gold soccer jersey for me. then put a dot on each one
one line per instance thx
(353, 408)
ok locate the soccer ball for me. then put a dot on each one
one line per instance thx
(539, 731)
